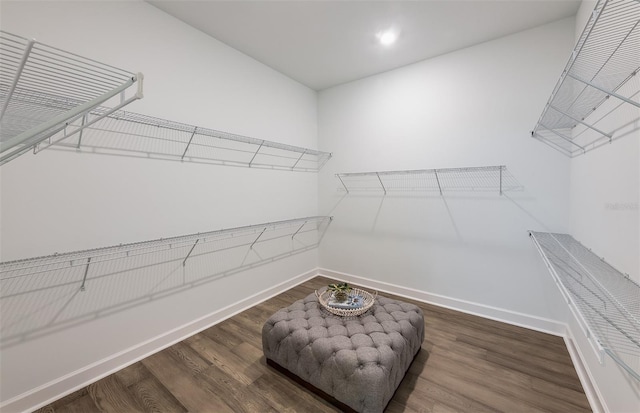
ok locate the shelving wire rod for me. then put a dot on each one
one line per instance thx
(581, 122)
(61, 119)
(189, 143)
(125, 274)
(190, 251)
(604, 300)
(300, 157)
(257, 238)
(16, 77)
(604, 59)
(561, 136)
(383, 188)
(36, 265)
(84, 124)
(256, 154)
(342, 182)
(480, 178)
(47, 89)
(157, 138)
(622, 364)
(86, 271)
(602, 288)
(298, 230)
(615, 95)
(435, 172)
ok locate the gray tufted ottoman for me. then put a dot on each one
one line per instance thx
(358, 361)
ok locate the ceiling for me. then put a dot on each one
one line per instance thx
(326, 43)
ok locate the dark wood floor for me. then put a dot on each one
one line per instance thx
(467, 364)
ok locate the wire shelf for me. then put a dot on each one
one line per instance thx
(606, 301)
(597, 75)
(42, 294)
(133, 134)
(481, 179)
(43, 89)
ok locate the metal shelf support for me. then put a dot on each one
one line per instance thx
(601, 64)
(605, 302)
(86, 271)
(16, 77)
(56, 263)
(129, 274)
(190, 251)
(256, 154)
(383, 188)
(151, 137)
(298, 230)
(470, 179)
(581, 122)
(342, 182)
(189, 143)
(50, 90)
(257, 238)
(435, 173)
(603, 90)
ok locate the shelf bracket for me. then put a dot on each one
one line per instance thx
(558, 134)
(295, 233)
(583, 123)
(256, 240)
(255, 154)
(435, 171)
(615, 95)
(16, 78)
(622, 364)
(303, 153)
(342, 182)
(184, 262)
(27, 137)
(84, 122)
(383, 188)
(551, 144)
(189, 143)
(86, 271)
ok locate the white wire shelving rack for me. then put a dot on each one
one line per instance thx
(42, 294)
(599, 73)
(481, 179)
(133, 134)
(43, 89)
(605, 302)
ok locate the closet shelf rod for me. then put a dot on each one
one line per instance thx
(102, 254)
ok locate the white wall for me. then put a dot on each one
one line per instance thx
(605, 182)
(61, 201)
(605, 194)
(473, 107)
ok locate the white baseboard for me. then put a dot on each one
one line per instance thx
(49, 392)
(596, 401)
(544, 325)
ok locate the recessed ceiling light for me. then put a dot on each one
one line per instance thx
(387, 37)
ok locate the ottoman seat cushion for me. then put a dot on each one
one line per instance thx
(359, 361)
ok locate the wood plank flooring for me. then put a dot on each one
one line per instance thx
(467, 364)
